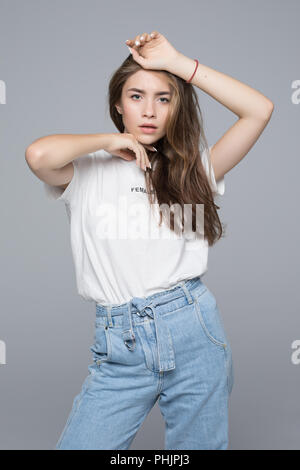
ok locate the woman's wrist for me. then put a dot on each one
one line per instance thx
(183, 66)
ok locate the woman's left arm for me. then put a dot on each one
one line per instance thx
(252, 107)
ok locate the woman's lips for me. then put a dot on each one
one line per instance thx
(148, 130)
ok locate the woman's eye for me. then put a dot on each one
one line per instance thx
(167, 101)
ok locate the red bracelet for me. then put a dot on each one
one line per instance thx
(188, 81)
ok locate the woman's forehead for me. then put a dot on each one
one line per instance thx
(148, 81)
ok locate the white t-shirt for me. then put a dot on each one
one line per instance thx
(115, 254)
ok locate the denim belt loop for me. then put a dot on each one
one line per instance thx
(165, 350)
(128, 334)
(187, 292)
(108, 309)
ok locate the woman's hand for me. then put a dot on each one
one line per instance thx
(129, 148)
(152, 51)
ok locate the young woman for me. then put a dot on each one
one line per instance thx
(142, 216)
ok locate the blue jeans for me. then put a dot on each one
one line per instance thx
(169, 346)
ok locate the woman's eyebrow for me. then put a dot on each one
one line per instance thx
(143, 91)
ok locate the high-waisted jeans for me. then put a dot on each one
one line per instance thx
(169, 346)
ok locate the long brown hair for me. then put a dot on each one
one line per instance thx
(178, 176)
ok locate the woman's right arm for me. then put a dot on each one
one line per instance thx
(50, 158)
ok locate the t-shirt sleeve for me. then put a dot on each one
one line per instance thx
(218, 187)
(82, 166)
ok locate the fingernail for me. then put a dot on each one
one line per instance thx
(129, 49)
(155, 150)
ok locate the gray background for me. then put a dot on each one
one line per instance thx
(56, 60)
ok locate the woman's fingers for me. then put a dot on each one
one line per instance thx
(147, 162)
(138, 153)
(126, 155)
(141, 156)
(143, 38)
(143, 161)
(139, 40)
(150, 147)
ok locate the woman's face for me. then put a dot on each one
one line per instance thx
(145, 100)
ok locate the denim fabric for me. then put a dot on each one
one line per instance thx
(170, 346)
